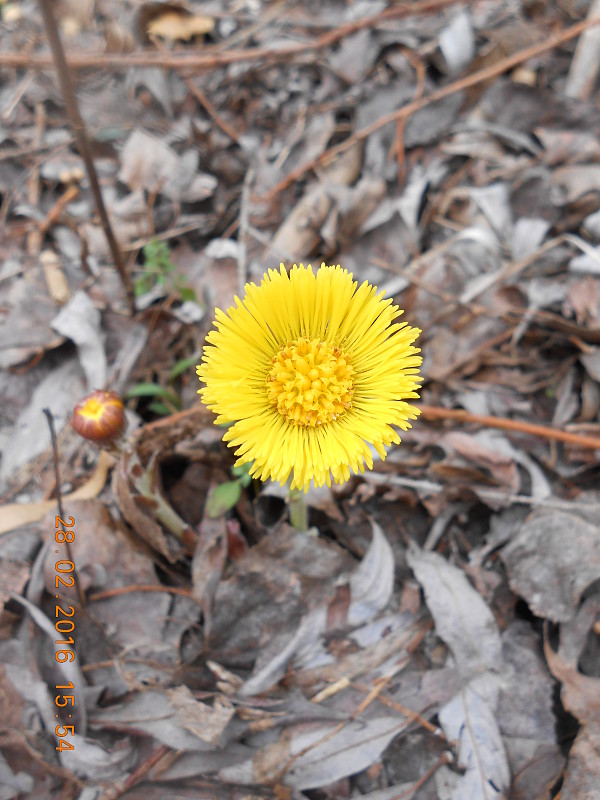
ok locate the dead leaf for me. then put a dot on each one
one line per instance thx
(204, 721)
(368, 591)
(148, 163)
(526, 715)
(581, 696)
(143, 523)
(464, 621)
(13, 577)
(25, 322)
(16, 514)
(551, 561)
(79, 321)
(462, 618)
(56, 282)
(208, 564)
(30, 436)
(69, 670)
(322, 758)
(175, 25)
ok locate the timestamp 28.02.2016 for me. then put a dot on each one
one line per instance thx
(65, 628)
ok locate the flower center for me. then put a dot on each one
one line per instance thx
(310, 382)
(93, 408)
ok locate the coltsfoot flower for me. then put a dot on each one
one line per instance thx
(310, 370)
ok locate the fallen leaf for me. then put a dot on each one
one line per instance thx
(367, 592)
(464, 621)
(551, 560)
(462, 618)
(322, 755)
(148, 163)
(176, 26)
(16, 514)
(204, 721)
(144, 524)
(580, 695)
(79, 321)
(55, 277)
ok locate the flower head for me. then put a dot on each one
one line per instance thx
(100, 416)
(310, 370)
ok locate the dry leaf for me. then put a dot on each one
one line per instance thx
(58, 288)
(175, 25)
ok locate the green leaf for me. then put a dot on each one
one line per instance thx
(154, 390)
(182, 366)
(242, 473)
(187, 293)
(159, 407)
(142, 285)
(222, 498)
(157, 257)
(244, 469)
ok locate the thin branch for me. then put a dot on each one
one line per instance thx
(83, 143)
(432, 413)
(210, 60)
(59, 501)
(244, 222)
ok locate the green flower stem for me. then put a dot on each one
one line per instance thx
(298, 510)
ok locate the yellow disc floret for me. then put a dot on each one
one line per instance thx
(100, 416)
(310, 382)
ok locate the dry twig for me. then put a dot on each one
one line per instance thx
(215, 58)
(83, 143)
(432, 413)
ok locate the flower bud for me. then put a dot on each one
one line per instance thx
(100, 417)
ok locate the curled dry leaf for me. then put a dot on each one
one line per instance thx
(581, 696)
(464, 621)
(148, 163)
(208, 563)
(326, 753)
(526, 715)
(79, 321)
(141, 509)
(552, 559)
(204, 721)
(356, 601)
(300, 231)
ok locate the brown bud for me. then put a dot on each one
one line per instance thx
(100, 417)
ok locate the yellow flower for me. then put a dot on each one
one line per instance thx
(311, 370)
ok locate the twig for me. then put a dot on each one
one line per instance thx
(496, 495)
(59, 206)
(397, 148)
(266, 16)
(543, 431)
(210, 109)
(34, 237)
(121, 590)
(444, 759)
(243, 235)
(61, 510)
(200, 96)
(485, 74)
(117, 790)
(83, 143)
(215, 58)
